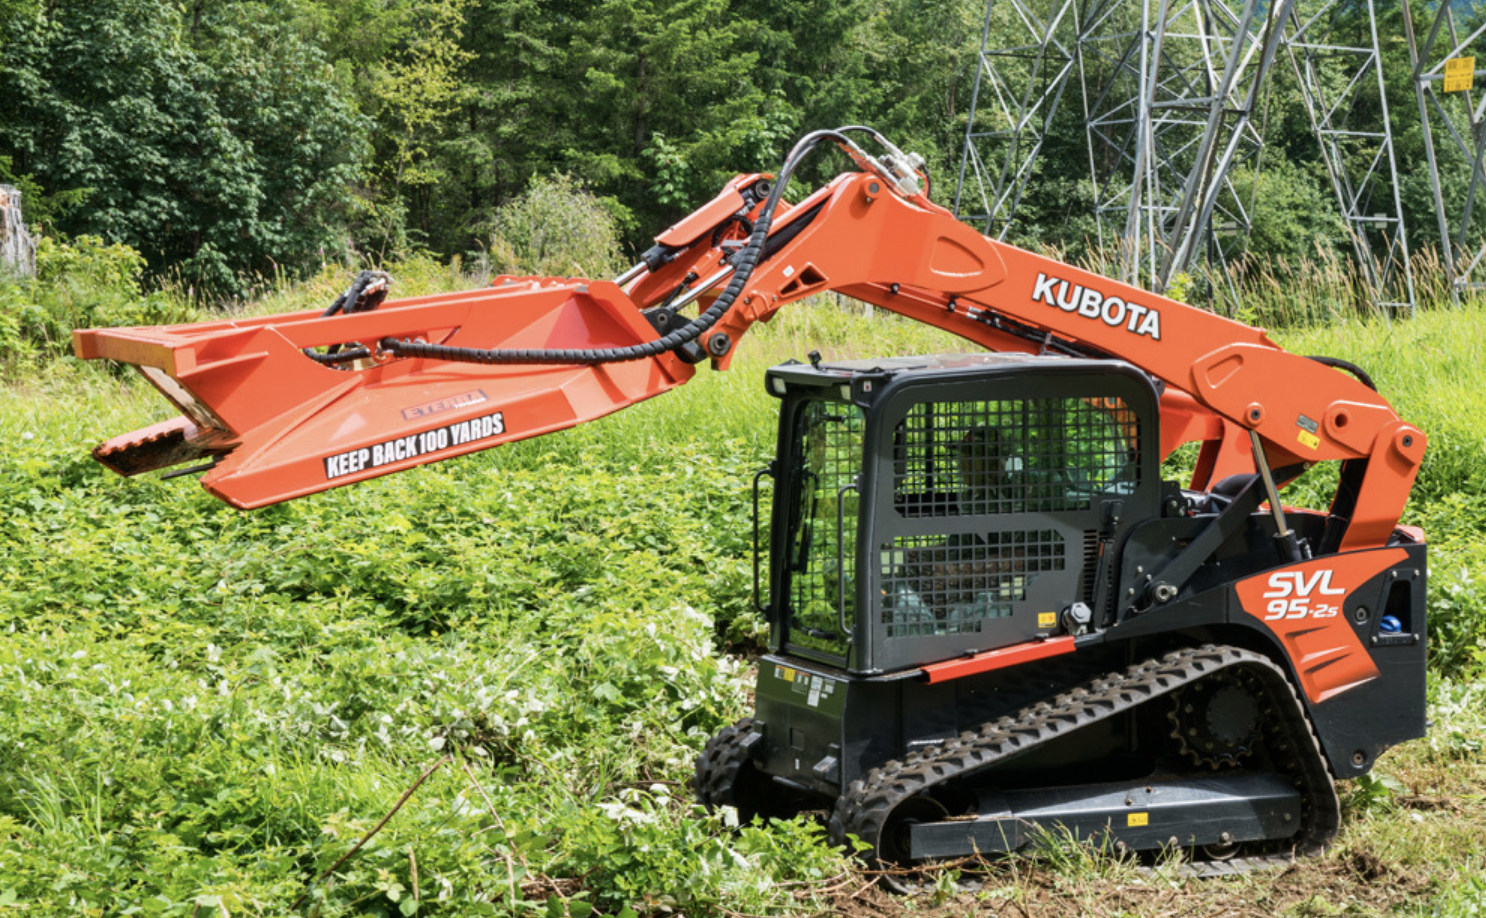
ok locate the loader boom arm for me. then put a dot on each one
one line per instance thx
(453, 373)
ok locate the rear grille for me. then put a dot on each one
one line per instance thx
(1091, 565)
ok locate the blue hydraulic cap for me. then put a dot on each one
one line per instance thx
(1390, 625)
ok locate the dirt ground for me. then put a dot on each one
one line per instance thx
(1351, 884)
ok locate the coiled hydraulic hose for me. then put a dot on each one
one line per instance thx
(1347, 365)
(743, 265)
(366, 293)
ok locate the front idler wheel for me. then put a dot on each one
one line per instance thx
(726, 775)
(895, 841)
(886, 829)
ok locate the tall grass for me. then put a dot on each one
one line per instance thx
(1280, 293)
(1330, 288)
(1428, 368)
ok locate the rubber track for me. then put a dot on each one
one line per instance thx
(865, 808)
(715, 780)
(726, 775)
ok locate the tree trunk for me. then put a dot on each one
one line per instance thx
(17, 250)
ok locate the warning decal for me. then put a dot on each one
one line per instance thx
(1460, 72)
(414, 445)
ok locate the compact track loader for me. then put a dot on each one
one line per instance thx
(990, 615)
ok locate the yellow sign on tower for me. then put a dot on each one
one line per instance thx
(1459, 71)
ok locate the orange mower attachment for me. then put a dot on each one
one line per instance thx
(276, 422)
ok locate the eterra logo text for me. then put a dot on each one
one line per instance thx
(1091, 304)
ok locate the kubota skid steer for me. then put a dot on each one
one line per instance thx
(989, 614)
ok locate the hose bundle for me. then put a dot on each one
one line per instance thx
(743, 264)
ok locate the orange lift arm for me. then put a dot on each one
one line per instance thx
(405, 382)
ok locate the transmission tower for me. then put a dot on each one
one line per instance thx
(1345, 97)
(1444, 75)
(1171, 118)
(1012, 105)
(1173, 94)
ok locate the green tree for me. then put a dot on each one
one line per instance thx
(514, 121)
(211, 164)
(1295, 213)
(418, 87)
(309, 145)
(677, 69)
(811, 57)
(922, 54)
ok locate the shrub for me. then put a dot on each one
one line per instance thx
(84, 283)
(556, 227)
(1457, 624)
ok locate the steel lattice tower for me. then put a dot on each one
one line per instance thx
(1173, 94)
(1462, 120)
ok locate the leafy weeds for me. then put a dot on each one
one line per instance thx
(203, 711)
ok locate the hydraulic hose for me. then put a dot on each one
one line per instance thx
(1348, 366)
(367, 291)
(743, 264)
(888, 145)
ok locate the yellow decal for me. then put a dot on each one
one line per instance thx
(1309, 439)
(1047, 619)
(1138, 819)
(789, 675)
(1459, 74)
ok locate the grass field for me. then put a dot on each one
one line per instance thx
(202, 712)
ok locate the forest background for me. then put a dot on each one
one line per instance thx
(232, 142)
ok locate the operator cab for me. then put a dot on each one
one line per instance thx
(931, 507)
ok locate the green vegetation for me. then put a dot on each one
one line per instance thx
(265, 138)
(82, 284)
(202, 712)
(1427, 370)
(215, 150)
(228, 142)
(555, 228)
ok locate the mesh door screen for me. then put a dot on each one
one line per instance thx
(821, 566)
(949, 584)
(959, 460)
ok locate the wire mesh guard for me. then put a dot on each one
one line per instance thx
(975, 464)
(823, 541)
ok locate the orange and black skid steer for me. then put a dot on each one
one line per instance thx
(990, 616)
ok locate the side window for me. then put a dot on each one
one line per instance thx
(1012, 456)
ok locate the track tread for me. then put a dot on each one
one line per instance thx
(866, 807)
(716, 778)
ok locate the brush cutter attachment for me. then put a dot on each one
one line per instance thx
(288, 405)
